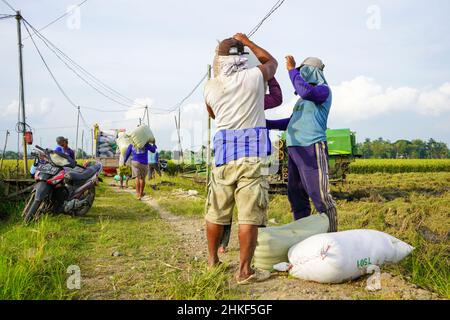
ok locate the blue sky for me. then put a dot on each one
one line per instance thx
(387, 61)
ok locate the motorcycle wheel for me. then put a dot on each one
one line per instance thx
(31, 209)
(85, 209)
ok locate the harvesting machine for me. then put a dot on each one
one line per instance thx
(341, 152)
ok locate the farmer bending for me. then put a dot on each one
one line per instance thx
(139, 164)
(307, 142)
(235, 99)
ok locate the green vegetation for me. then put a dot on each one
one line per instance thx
(411, 206)
(415, 149)
(34, 259)
(369, 166)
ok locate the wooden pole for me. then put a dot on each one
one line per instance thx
(208, 146)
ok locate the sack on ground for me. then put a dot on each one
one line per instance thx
(141, 136)
(274, 242)
(344, 256)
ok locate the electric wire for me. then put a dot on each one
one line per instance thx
(10, 6)
(61, 55)
(50, 71)
(79, 75)
(275, 7)
(60, 17)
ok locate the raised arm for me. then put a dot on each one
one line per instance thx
(318, 94)
(269, 63)
(275, 97)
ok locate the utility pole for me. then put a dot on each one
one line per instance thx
(177, 125)
(208, 146)
(76, 139)
(4, 149)
(148, 117)
(92, 143)
(22, 91)
(82, 144)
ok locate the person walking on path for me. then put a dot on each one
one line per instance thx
(139, 164)
(153, 165)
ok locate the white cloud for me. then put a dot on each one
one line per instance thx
(11, 109)
(363, 98)
(46, 106)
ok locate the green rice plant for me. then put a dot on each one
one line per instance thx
(368, 166)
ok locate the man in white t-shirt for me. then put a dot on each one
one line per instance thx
(235, 99)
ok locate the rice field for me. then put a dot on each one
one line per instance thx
(369, 166)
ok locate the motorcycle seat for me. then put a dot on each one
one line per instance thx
(84, 175)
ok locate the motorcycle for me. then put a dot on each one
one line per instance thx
(62, 186)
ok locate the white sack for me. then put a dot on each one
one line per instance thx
(141, 136)
(343, 256)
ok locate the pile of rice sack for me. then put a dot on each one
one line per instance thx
(106, 145)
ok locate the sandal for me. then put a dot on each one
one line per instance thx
(258, 276)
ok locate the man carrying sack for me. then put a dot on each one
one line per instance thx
(235, 99)
(139, 165)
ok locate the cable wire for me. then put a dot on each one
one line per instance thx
(275, 7)
(78, 74)
(60, 17)
(50, 71)
(10, 6)
(61, 55)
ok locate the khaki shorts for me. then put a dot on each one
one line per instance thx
(139, 170)
(238, 182)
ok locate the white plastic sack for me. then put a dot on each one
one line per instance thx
(274, 242)
(344, 256)
(141, 136)
(105, 149)
(123, 143)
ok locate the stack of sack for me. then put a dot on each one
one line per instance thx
(106, 145)
(142, 135)
(322, 257)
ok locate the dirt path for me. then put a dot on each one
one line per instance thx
(281, 286)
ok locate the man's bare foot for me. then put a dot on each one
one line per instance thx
(214, 262)
(256, 275)
(222, 249)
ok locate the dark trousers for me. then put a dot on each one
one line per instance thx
(308, 178)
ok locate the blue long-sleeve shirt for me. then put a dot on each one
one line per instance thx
(140, 155)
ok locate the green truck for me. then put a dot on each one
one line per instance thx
(341, 151)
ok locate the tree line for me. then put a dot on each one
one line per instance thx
(403, 149)
(369, 149)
